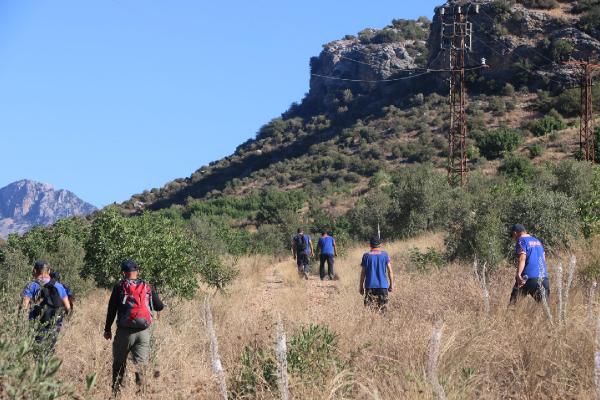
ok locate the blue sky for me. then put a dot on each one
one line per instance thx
(107, 98)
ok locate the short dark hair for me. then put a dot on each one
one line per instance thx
(300, 230)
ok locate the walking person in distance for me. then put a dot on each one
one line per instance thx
(376, 276)
(532, 273)
(302, 251)
(327, 250)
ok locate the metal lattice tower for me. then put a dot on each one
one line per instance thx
(456, 38)
(586, 126)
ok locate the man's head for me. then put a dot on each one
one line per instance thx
(375, 242)
(516, 231)
(40, 268)
(300, 231)
(323, 232)
(55, 275)
(130, 269)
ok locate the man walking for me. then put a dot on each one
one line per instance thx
(376, 276)
(327, 251)
(532, 273)
(302, 250)
(132, 302)
(50, 304)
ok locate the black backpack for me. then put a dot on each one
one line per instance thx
(300, 243)
(50, 304)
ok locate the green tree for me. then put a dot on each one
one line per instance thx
(492, 144)
(168, 256)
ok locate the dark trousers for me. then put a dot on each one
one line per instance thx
(533, 287)
(303, 262)
(376, 298)
(329, 259)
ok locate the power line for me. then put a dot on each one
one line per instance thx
(425, 72)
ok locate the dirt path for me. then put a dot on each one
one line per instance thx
(282, 276)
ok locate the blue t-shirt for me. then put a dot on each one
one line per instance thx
(375, 265)
(535, 264)
(326, 245)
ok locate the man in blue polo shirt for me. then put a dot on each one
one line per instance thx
(376, 276)
(532, 273)
(327, 250)
(49, 303)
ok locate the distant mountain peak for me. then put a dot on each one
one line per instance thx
(26, 203)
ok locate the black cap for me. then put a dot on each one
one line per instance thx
(39, 264)
(55, 275)
(375, 242)
(517, 228)
(129, 266)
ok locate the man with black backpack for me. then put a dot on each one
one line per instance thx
(49, 304)
(55, 275)
(302, 250)
(131, 302)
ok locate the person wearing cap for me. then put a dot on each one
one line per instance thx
(134, 340)
(41, 294)
(327, 251)
(55, 275)
(302, 250)
(532, 272)
(376, 276)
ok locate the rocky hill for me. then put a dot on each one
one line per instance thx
(25, 204)
(378, 101)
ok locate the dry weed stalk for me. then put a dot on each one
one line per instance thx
(543, 291)
(281, 351)
(432, 366)
(597, 359)
(559, 293)
(481, 279)
(592, 299)
(570, 275)
(217, 367)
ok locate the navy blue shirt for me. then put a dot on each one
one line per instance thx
(326, 245)
(375, 264)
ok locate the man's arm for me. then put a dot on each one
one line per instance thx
(334, 248)
(293, 248)
(361, 281)
(66, 304)
(111, 313)
(390, 276)
(520, 269)
(157, 304)
(310, 245)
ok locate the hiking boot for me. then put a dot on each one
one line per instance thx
(306, 275)
(330, 277)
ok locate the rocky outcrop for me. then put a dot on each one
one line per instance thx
(355, 62)
(24, 204)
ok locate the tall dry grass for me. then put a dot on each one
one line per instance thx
(508, 353)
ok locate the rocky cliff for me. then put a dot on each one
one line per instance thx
(24, 204)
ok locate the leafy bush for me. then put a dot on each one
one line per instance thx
(167, 255)
(550, 123)
(425, 261)
(258, 373)
(536, 150)
(590, 22)
(313, 353)
(492, 144)
(516, 166)
(24, 373)
(543, 4)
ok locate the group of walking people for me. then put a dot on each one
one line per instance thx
(377, 277)
(133, 301)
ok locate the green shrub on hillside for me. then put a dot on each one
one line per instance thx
(516, 167)
(543, 4)
(313, 354)
(492, 144)
(550, 123)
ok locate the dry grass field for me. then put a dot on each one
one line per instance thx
(508, 353)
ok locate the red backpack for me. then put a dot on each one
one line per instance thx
(137, 297)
